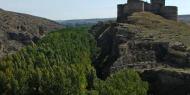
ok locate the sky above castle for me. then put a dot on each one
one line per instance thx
(76, 9)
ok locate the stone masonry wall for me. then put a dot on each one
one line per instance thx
(133, 7)
(120, 13)
(169, 12)
(156, 5)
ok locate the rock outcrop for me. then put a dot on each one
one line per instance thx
(147, 43)
(140, 41)
(18, 30)
(167, 82)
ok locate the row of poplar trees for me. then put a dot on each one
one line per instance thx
(60, 64)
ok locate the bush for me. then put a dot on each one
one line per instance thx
(125, 82)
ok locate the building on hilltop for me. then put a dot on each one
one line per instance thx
(155, 6)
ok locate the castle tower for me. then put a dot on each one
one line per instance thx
(125, 10)
(169, 12)
(132, 1)
(120, 13)
(157, 5)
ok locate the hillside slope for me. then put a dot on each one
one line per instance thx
(159, 29)
(146, 42)
(17, 30)
(141, 28)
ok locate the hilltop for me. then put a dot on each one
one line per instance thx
(18, 30)
(159, 29)
(156, 47)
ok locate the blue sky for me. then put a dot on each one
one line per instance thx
(76, 9)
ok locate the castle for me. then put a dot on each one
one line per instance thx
(155, 6)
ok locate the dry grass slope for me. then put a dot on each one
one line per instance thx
(160, 29)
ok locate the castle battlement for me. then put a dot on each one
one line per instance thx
(155, 6)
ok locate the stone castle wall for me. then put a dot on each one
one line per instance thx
(120, 14)
(147, 6)
(155, 2)
(125, 10)
(169, 12)
(134, 7)
(156, 5)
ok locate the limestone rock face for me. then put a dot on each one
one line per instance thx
(18, 30)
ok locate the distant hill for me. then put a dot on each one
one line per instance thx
(90, 22)
(83, 22)
(18, 30)
(184, 18)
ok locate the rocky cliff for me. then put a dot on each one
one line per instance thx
(146, 42)
(18, 30)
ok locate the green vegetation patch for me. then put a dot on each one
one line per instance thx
(60, 64)
(124, 82)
